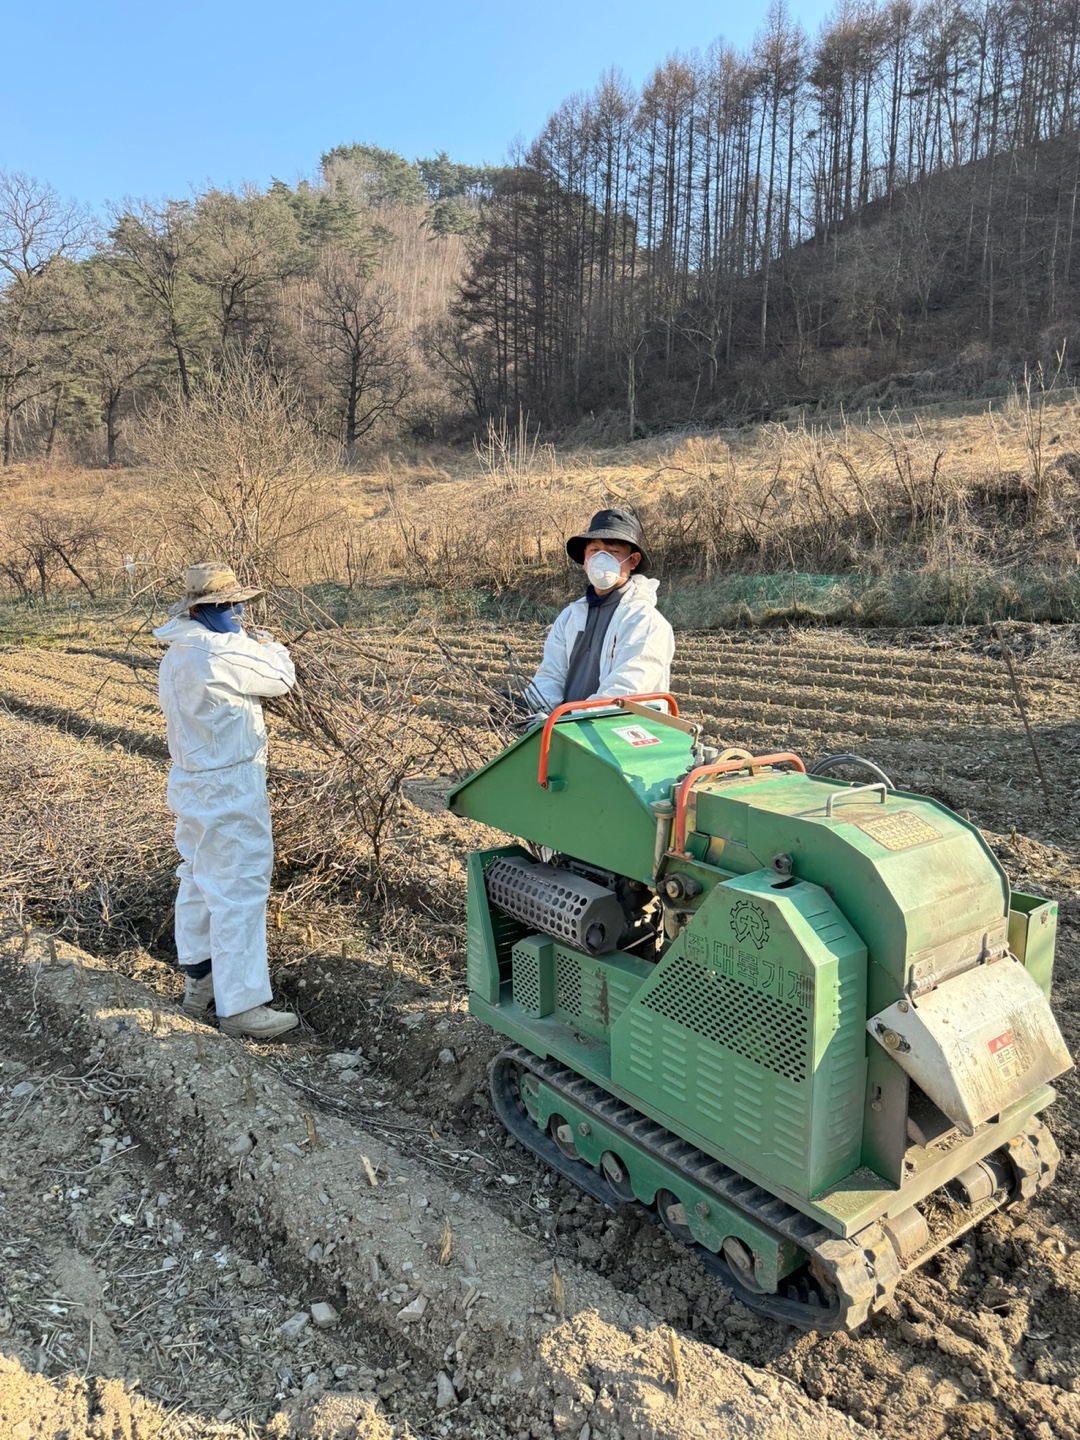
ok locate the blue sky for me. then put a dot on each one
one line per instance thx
(122, 99)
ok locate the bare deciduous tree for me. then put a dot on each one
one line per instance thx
(153, 246)
(353, 323)
(39, 548)
(37, 230)
(244, 474)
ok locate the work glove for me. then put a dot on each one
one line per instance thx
(509, 707)
(528, 722)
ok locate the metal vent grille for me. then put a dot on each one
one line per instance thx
(506, 932)
(758, 1027)
(552, 908)
(568, 986)
(527, 980)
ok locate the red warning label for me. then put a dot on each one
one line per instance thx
(635, 734)
(1000, 1042)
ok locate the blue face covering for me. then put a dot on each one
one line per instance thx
(225, 619)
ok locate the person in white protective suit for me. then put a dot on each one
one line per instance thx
(211, 683)
(613, 641)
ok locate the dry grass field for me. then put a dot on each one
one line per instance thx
(931, 493)
(173, 1201)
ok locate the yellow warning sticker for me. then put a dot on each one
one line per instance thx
(899, 831)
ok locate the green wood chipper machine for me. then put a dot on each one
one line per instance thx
(803, 1019)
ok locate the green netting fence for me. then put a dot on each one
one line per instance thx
(956, 597)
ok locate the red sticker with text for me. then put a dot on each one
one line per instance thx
(1000, 1042)
(635, 734)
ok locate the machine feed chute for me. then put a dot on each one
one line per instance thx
(584, 783)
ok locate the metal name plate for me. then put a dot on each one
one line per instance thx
(899, 831)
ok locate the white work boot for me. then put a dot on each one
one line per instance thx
(199, 998)
(258, 1023)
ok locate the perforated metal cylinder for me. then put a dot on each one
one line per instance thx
(557, 903)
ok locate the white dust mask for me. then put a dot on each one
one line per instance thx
(603, 570)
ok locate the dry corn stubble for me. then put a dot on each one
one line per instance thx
(446, 1243)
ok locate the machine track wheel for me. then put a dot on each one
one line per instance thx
(835, 1291)
(673, 1216)
(563, 1135)
(615, 1173)
(1032, 1158)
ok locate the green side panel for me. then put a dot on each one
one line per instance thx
(489, 934)
(592, 991)
(1032, 934)
(749, 1033)
(587, 993)
(912, 877)
(711, 1220)
(601, 785)
(532, 962)
(885, 1139)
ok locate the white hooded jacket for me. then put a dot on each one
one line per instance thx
(638, 648)
(210, 686)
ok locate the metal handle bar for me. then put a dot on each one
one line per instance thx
(856, 790)
(722, 767)
(600, 703)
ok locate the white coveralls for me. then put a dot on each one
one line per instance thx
(639, 646)
(210, 686)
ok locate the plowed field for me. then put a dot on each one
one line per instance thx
(171, 1200)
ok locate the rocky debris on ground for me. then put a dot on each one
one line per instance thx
(497, 1338)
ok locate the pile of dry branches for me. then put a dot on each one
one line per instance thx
(86, 838)
(360, 726)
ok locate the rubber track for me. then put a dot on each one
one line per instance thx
(862, 1272)
(857, 1289)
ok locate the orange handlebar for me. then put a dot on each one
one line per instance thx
(721, 768)
(598, 704)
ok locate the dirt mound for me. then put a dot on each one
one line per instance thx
(33, 1408)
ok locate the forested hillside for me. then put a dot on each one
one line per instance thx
(884, 213)
(795, 224)
(329, 287)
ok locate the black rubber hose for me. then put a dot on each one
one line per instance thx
(822, 767)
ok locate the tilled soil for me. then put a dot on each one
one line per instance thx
(984, 1342)
(444, 1318)
(113, 1269)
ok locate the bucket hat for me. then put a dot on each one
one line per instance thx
(211, 582)
(611, 525)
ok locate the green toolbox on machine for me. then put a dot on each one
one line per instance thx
(782, 1009)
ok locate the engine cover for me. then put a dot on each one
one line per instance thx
(558, 903)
